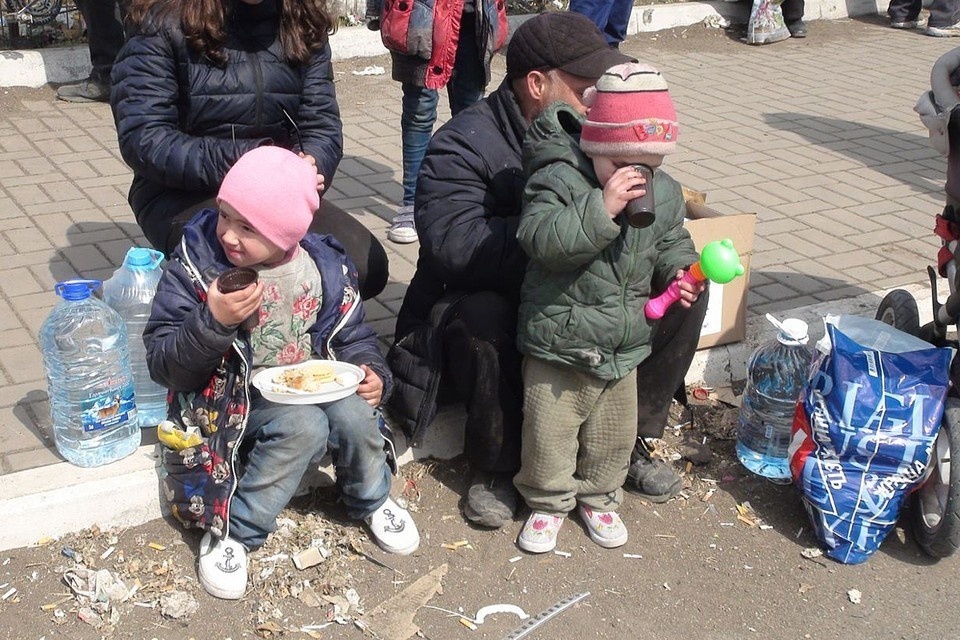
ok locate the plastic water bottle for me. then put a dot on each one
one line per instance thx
(84, 344)
(776, 376)
(130, 292)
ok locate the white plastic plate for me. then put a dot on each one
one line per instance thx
(348, 379)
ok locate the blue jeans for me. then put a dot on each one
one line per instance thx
(611, 16)
(419, 105)
(283, 438)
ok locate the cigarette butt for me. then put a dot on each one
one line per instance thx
(636, 556)
(156, 546)
(44, 541)
(106, 554)
(12, 591)
(516, 559)
(688, 467)
(468, 624)
(565, 554)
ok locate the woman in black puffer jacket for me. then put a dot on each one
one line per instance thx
(203, 81)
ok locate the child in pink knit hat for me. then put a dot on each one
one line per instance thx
(581, 327)
(255, 451)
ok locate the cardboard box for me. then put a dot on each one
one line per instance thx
(726, 319)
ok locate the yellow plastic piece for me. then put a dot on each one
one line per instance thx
(177, 439)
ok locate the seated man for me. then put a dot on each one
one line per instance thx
(456, 329)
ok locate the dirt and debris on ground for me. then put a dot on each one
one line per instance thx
(732, 548)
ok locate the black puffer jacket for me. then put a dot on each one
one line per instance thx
(182, 121)
(467, 212)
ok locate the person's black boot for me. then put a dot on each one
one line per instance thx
(649, 478)
(88, 90)
(491, 500)
(797, 29)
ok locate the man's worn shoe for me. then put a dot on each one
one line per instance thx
(797, 29)
(393, 529)
(949, 31)
(402, 229)
(222, 567)
(88, 90)
(539, 533)
(651, 479)
(605, 527)
(903, 24)
(491, 500)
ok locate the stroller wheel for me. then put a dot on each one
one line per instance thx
(936, 503)
(899, 309)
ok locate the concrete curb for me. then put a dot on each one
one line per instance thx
(57, 499)
(37, 67)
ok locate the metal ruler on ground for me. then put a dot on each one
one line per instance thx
(533, 622)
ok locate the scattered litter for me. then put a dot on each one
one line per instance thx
(491, 609)
(635, 556)
(372, 70)
(9, 593)
(747, 515)
(96, 586)
(73, 555)
(453, 546)
(804, 588)
(178, 605)
(106, 554)
(811, 552)
(565, 554)
(664, 535)
(764, 527)
(666, 586)
(156, 546)
(394, 617)
(726, 524)
(468, 624)
(516, 559)
(708, 494)
(310, 557)
(855, 596)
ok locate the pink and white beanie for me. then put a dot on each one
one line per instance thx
(631, 114)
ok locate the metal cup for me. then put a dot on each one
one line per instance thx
(237, 279)
(639, 211)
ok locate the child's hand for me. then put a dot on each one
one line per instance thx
(617, 192)
(371, 388)
(230, 309)
(689, 291)
(313, 163)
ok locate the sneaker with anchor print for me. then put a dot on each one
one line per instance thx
(223, 567)
(393, 529)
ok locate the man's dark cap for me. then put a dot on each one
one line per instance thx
(561, 40)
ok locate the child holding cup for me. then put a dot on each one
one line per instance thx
(235, 484)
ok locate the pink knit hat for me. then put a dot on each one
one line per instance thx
(631, 114)
(276, 191)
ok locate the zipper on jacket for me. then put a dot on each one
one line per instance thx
(258, 75)
(627, 277)
(237, 346)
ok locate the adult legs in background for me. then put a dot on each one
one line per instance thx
(611, 16)
(366, 252)
(944, 18)
(793, 17)
(659, 377)
(104, 20)
(419, 114)
(482, 368)
(417, 117)
(904, 13)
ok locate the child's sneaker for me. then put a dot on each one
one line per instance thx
(605, 527)
(403, 230)
(223, 567)
(539, 533)
(393, 529)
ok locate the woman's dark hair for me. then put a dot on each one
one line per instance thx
(304, 24)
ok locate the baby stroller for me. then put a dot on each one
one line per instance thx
(935, 505)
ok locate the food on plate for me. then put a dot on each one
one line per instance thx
(310, 377)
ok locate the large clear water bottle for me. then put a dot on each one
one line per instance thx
(776, 376)
(84, 344)
(130, 292)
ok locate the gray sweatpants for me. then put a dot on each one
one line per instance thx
(578, 432)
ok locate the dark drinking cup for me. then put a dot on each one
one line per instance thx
(639, 211)
(237, 279)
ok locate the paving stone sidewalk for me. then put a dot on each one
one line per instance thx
(818, 138)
